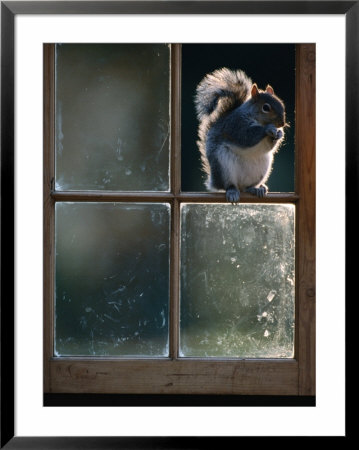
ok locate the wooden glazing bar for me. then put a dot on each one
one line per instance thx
(176, 118)
(108, 196)
(219, 197)
(176, 69)
(175, 280)
(212, 197)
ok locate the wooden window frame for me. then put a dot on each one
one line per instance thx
(175, 375)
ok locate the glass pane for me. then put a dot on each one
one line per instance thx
(112, 117)
(237, 280)
(201, 59)
(112, 279)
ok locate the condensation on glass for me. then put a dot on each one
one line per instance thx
(112, 279)
(237, 281)
(112, 117)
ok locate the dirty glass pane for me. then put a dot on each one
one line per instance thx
(112, 117)
(112, 279)
(237, 280)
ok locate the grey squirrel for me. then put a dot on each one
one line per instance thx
(241, 127)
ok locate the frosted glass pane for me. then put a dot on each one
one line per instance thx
(237, 281)
(112, 117)
(112, 279)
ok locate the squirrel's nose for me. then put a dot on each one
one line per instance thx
(281, 122)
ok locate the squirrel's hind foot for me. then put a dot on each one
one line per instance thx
(260, 191)
(232, 194)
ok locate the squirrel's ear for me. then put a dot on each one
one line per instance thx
(254, 91)
(270, 90)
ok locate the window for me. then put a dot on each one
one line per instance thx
(135, 298)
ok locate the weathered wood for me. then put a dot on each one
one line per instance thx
(305, 243)
(212, 197)
(182, 376)
(185, 375)
(48, 205)
(176, 67)
(176, 72)
(175, 279)
(219, 197)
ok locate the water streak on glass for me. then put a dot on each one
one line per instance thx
(112, 117)
(112, 279)
(237, 281)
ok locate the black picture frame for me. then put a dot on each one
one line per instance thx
(9, 9)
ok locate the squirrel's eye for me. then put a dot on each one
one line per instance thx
(266, 108)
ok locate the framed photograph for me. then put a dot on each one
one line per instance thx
(163, 258)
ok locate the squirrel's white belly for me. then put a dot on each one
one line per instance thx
(248, 167)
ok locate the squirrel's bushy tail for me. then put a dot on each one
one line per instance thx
(221, 91)
(217, 94)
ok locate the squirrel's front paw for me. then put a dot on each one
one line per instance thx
(273, 132)
(279, 134)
